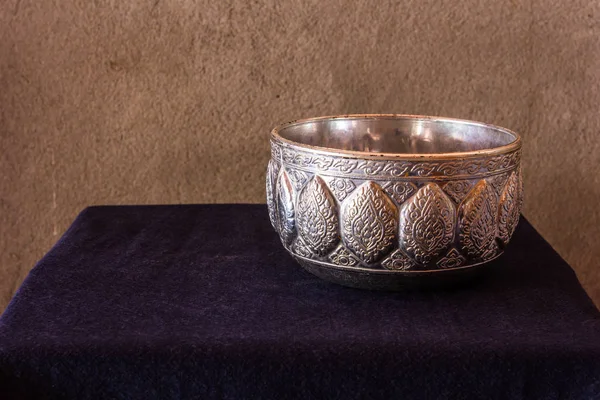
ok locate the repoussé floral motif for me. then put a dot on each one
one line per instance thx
(317, 217)
(369, 222)
(427, 224)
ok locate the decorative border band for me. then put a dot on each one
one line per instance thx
(387, 271)
(349, 167)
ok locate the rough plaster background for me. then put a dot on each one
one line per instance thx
(171, 101)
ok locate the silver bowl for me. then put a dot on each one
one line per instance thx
(389, 201)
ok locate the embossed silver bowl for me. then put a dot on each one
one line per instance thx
(388, 201)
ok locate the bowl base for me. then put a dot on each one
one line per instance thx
(398, 280)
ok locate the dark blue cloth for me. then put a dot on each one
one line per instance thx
(202, 302)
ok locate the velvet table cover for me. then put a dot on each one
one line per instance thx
(203, 302)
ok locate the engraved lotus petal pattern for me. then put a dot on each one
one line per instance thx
(508, 208)
(298, 178)
(497, 182)
(458, 190)
(398, 261)
(400, 191)
(477, 218)
(341, 188)
(271, 202)
(427, 224)
(341, 256)
(317, 217)
(285, 209)
(491, 252)
(369, 222)
(521, 193)
(452, 260)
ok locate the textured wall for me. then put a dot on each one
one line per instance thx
(156, 101)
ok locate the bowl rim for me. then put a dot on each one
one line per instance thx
(492, 151)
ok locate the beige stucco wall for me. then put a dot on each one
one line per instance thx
(171, 101)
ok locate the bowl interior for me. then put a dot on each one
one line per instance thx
(397, 134)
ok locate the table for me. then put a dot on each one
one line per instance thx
(203, 302)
